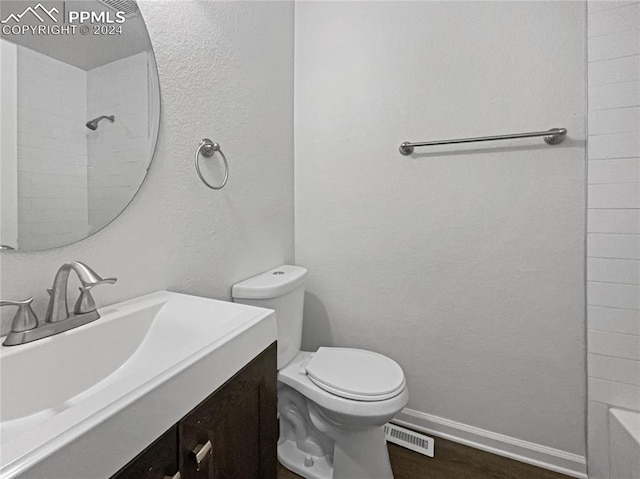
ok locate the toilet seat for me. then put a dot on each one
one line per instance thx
(355, 374)
(295, 376)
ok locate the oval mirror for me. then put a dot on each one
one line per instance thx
(79, 119)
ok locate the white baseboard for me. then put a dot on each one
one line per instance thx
(556, 460)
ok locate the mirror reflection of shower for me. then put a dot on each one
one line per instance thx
(93, 124)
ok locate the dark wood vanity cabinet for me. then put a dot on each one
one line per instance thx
(232, 434)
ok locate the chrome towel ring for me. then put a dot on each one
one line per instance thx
(208, 148)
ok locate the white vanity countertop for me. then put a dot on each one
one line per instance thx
(104, 391)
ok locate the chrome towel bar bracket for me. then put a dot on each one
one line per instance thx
(551, 137)
(208, 148)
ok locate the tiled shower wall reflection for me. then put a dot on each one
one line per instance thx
(52, 151)
(613, 225)
(118, 153)
(72, 181)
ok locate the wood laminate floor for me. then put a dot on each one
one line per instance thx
(453, 461)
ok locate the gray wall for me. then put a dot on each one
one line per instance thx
(464, 263)
(225, 73)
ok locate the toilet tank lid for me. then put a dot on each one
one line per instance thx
(270, 284)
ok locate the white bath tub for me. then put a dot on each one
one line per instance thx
(624, 444)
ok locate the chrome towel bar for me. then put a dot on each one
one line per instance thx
(552, 137)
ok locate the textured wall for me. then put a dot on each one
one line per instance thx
(464, 263)
(225, 73)
(613, 225)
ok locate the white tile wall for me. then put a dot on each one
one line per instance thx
(614, 195)
(602, 318)
(615, 145)
(614, 393)
(613, 295)
(613, 245)
(601, 5)
(613, 220)
(119, 152)
(619, 120)
(615, 369)
(607, 47)
(614, 20)
(614, 71)
(613, 270)
(624, 170)
(52, 151)
(619, 345)
(614, 95)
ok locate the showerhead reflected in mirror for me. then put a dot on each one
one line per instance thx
(80, 115)
(93, 124)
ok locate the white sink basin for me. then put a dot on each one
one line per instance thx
(65, 400)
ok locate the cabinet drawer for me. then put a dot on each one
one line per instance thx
(158, 460)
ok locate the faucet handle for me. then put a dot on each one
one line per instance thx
(85, 302)
(25, 319)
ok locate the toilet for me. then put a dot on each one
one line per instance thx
(332, 403)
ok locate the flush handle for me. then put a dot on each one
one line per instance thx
(175, 476)
(201, 451)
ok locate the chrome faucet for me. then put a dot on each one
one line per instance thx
(58, 309)
(26, 328)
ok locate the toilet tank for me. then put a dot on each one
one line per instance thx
(280, 289)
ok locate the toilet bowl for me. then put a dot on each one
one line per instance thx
(325, 435)
(333, 402)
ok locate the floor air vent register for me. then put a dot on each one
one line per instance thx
(411, 440)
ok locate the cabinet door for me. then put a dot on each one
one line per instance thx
(158, 460)
(239, 420)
